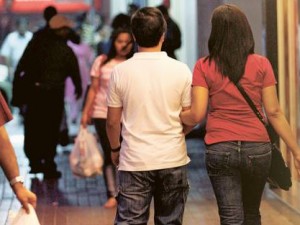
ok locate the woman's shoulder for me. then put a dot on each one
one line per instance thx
(205, 60)
(205, 63)
(258, 58)
(258, 61)
(101, 58)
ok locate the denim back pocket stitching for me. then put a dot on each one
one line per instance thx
(169, 185)
(126, 182)
(259, 164)
(217, 163)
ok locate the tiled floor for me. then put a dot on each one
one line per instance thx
(78, 201)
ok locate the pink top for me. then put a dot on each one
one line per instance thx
(230, 118)
(5, 114)
(104, 74)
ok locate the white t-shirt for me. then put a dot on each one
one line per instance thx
(152, 88)
(14, 45)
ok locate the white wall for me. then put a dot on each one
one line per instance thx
(185, 14)
(118, 6)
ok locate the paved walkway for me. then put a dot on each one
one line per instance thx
(78, 201)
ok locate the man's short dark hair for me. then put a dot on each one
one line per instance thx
(148, 25)
(120, 20)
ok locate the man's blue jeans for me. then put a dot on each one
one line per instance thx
(238, 172)
(168, 187)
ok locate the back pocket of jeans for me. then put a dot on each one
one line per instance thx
(217, 163)
(260, 164)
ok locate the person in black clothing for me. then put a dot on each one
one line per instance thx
(18, 90)
(43, 69)
(48, 13)
(173, 34)
(132, 8)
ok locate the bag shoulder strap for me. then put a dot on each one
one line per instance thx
(255, 110)
(250, 103)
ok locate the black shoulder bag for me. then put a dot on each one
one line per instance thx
(280, 174)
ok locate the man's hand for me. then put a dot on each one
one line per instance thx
(25, 196)
(115, 158)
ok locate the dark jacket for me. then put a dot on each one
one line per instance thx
(46, 63)
(172, 38)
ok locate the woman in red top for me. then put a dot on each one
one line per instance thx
(238, 152)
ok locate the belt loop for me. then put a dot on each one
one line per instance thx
(239, 146)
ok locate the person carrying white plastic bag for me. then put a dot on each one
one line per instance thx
(85, 158)
(23, 218)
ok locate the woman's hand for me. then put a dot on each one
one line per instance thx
(25, 196)
(85, 119)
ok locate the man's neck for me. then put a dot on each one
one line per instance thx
(151, 49)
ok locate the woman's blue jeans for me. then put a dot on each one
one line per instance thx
(238, 172)
(168, 188)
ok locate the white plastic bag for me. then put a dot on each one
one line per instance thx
(85, 158)
(22, 218)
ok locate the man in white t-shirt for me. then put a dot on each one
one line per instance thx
(14, 45)
(148, 92)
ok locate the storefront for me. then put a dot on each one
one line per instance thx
(33, 6)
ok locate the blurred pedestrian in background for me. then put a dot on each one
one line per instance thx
(48, 13)
(19, 88)
(43, 70)
(85, 56)
(14, 45)
(132, 8)
(119, 21)
(96, 106)
(173, 34)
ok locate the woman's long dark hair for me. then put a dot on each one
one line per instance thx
(230, 42)
(112, 50)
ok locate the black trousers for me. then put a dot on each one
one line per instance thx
(41, 128)
(109, 170)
